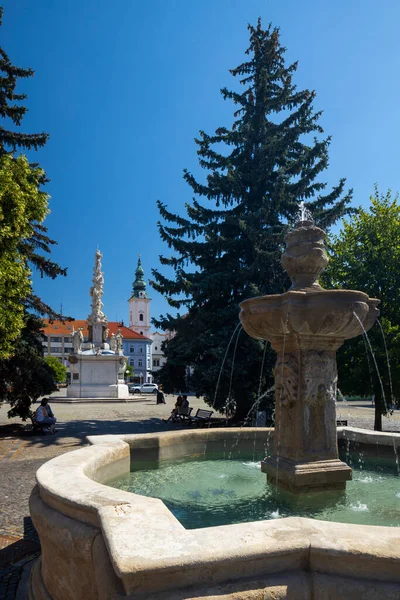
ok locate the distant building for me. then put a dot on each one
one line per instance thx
(137, 348)
(158, 358)
(139, 304)
(139, 318)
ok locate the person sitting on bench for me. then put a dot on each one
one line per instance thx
(175, 410)
(44, 416)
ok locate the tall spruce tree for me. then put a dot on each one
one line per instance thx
(228, 248)
(29, 250)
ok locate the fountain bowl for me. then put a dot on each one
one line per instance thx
(327, 313)
(101, 543)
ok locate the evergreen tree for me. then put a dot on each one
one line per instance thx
(25, 244)
(11, 140)
(228, 248)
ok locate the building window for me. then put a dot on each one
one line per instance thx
(131, 349)
(140, 363)
(56, 350)
(75, 375)
(156, 348)
(141, 317)
(156, 362)
(141, 333)
(141, 349)
(67, 340)
(131, 362)
(55, 339)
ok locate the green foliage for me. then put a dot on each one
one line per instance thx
(365, 256)
(228, 248)
(10, 139)
(22, 206)
(128, 372)
(59, 370)
(24, 245)
(26, 376)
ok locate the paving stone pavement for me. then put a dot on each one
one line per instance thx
(22, 452)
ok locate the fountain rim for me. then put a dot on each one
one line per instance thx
(163, 555)
(297, 294)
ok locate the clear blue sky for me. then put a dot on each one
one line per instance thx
(123, 88)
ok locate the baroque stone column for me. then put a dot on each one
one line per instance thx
(305, 454)
(306, 326)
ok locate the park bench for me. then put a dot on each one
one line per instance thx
(202, 417)
(183, 414)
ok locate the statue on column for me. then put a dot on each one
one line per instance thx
(119, 339)
(77, 340)
(96, 292)
(113, 343)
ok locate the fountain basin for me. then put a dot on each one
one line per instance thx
(326, 313)
(99, 542)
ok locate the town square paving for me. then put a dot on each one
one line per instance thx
(22, 452)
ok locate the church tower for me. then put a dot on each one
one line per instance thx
(139, 304)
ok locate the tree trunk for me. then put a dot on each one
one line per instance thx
(378, 410)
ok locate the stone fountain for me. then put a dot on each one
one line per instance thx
(306, 326)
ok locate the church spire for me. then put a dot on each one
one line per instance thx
(139, 285)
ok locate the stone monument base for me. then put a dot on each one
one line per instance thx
(95, 391)
(301, 477)
(97, 376)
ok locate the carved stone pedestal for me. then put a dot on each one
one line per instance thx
(305, 455)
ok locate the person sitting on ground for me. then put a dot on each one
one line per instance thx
(45, 416)
(175, 410)
(160, 396)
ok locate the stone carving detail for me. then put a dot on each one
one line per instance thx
(320, 377)
(305, 255)
(320, 384)
(96, 292)
(113, 343)
(286, 374)
(119, 339)
(77, 340)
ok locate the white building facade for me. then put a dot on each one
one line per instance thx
(139, 304)
(158, 358)
(139, 318)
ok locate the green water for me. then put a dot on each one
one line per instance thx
(219, 492)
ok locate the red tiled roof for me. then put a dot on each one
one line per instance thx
(60, 328)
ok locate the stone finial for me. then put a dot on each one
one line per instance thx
(305, 256)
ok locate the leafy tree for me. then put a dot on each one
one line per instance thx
(26, 375)
(128, 372)
(365, 256)
(24, 245)
(59, 370)
(228, 248)
(22, 206)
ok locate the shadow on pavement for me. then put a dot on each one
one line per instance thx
(13, 549)
(79, 429)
